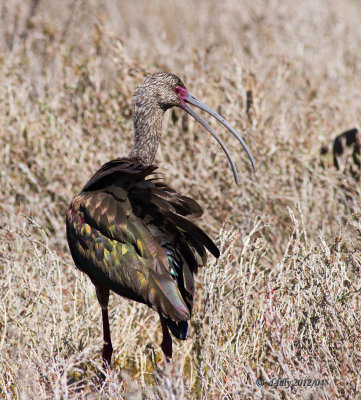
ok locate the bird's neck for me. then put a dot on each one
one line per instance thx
(148, 129)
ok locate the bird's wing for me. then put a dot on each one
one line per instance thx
(114, 248)
(130, 234)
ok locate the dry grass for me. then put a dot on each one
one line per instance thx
(284, 298)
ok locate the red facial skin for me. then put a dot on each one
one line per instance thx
(182, 94)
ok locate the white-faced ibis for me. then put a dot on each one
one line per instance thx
(129, 232)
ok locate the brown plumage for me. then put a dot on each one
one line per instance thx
(129, 232)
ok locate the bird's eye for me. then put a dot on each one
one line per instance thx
(181, 93)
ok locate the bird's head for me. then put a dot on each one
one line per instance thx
(161, 88)
(167, 90)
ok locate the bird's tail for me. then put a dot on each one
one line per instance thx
(178, 329)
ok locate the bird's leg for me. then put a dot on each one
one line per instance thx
(166, 344)
(107, 347)
(103, 298)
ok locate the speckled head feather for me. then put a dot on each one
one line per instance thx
(151, 99)
(159, 88)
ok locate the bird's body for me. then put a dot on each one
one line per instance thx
(130, 232)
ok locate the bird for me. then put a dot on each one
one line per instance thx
(130, 232)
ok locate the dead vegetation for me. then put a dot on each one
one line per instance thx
(284, 298)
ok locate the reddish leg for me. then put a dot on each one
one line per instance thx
(107, 347)
(166, 344)
(103, 298)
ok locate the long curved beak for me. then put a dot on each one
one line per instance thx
(194, 101)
